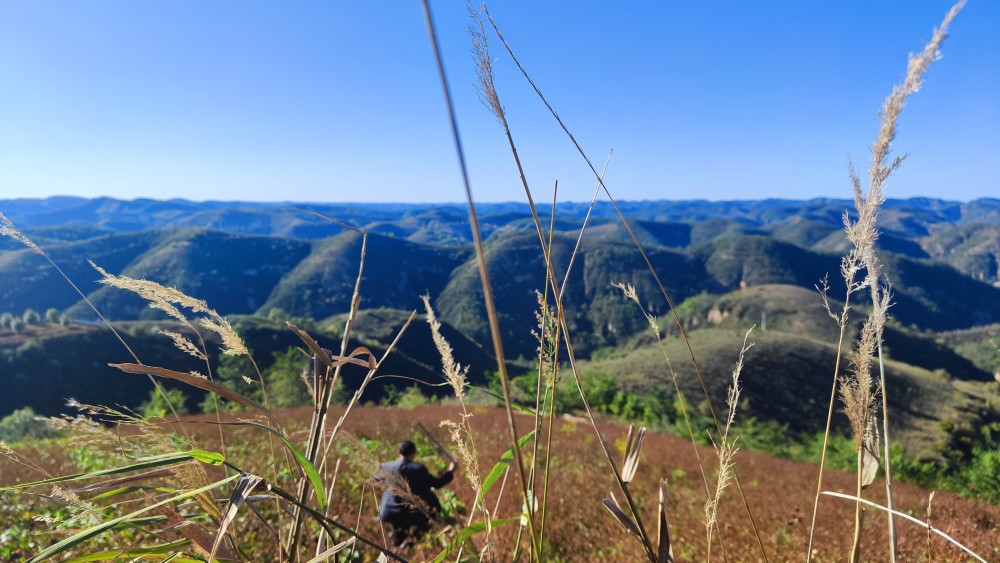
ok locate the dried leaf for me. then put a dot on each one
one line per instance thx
(612, 504)
(243, 488)
(665, 551)
(334, 361)
(633, 445)
(333, 550)
(870, 454)
(193, 381)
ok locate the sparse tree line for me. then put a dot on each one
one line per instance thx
(17, 323)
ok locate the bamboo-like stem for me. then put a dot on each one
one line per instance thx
(322, 402)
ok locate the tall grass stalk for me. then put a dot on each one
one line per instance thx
(725, 449)
(322, 400)
(645, 257)
(461, 432)
(484, 278)
(863, 234)
(628, 291)
(489, 96)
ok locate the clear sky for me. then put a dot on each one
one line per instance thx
(339, 101)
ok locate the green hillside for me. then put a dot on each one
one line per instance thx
(396, 273)
(786, 378)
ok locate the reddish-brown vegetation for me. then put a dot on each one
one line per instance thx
(579, 528)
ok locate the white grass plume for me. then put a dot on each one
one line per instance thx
(725, 449)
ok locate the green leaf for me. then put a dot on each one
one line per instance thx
(144, 463)
(132, 489)
(85, 535)
(211, 458)
(143, 552)
(515, 406)
(501, 466)
(467, 533)
(304, 463)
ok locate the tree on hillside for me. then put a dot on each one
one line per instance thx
(284, 379)
(22, 424)
(31, 317)
(156, 407)
(5, 319)
(16, 324)
(52, 315)
(236, 373)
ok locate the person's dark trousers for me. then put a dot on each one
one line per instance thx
(408, 525)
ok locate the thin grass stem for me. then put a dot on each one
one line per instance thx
(483, 274)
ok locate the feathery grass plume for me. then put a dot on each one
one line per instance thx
(167, 299)
(182, 343)
(232, 344)
(725, 449)
(8, 229)
(546, 334)
(453, 371)
(460, 432)
(863, 235)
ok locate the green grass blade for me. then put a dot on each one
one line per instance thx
(140, 552)
(132, 489)
(516, 406)
(501, 466)
(304, 463)
(144, 463)
(468, 532)
(85, 535)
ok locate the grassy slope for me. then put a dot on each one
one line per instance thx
(787, 378)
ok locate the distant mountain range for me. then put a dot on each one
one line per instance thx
(725, 265)
(244, 258)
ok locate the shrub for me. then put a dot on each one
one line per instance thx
(23, 424)
(284, 382)
(31, 317)
(156, 407)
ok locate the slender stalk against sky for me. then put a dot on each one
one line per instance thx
(321, 102)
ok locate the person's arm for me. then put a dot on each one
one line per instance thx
(425, 477)
(445, 477)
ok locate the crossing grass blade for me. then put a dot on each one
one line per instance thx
(494, 475)
(211, 458)
(93, 531)
(468, 532)
(333, 550)
(143, 553)
(242, 490)
(306, 465)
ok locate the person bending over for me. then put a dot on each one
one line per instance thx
(410, 512)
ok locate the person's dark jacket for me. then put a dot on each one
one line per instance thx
(421, 482)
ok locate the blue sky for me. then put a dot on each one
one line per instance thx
(339, 101)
